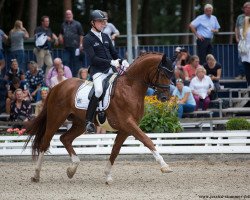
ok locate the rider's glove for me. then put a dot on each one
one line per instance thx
(125, 65)
(115, 63)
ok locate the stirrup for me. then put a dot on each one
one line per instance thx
(90, 128)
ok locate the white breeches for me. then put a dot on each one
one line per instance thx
(97, 80)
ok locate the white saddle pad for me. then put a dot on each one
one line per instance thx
(82, 101)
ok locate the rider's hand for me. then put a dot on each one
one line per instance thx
(115, 63)
(125, 64)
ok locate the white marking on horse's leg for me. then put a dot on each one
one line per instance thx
(108, 173)
(72, 168)
(38, 168)
(164, 166)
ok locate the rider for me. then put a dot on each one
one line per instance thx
(104, 60)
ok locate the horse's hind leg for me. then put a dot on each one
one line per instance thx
(67, 139)
(36, 176)
(119, 140)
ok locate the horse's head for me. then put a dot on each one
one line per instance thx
(163, 79)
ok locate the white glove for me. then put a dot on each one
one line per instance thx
(125, 64)
(115, 63)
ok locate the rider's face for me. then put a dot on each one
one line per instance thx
(99, 24)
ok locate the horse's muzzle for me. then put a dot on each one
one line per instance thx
(162, 97)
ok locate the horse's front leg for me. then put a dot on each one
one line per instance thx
(36, 176)
(119, 140)
(140, 135)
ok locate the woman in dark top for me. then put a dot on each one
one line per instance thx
(213, 69)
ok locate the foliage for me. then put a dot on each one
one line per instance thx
(15, 131)
(237, 124)
(160, 117)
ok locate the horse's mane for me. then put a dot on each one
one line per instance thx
(142, 56)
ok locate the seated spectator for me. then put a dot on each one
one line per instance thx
(3, 94)
(53, 71)
(39, 105)
(189, 69)
(213, 69)
(12, 87)
(58, 78)
(186, 101)
(14, 72)
(83, 74)
(20, 109)
(181, 59)
(35, 80)
(201, 86)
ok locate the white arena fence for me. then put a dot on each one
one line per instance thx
(166, 143)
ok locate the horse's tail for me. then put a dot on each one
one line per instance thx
(36, 127)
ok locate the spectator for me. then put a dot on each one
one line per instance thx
(204, 26)
(213, 69)
(71, 36)
(58, 78)
(35, 80)
(20, 109)
(3, 37)
(186, 102)
(83, 74)
(17, 36)
(14, 72)
(110, 29)
(53, 71)
(39, 105)
(43, 51)
(201, 86)
(12, 87)
(246, 56)
(238, 28)
(181, 59)
(3, 94)
(189, 69)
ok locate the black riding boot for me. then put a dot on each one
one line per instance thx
(90, 126)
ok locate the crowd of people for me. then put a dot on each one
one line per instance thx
(195, 82)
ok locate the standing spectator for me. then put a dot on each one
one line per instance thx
(35, 80)
(17, 36)
(189, 69)
(20, 109)
(201, 86)
(83, 74)
(53, 71)
(204, 26)
(186, 102)
(43, 51)
(3, 37)
(58, 78)
(238, 30)
(3, 94)
(14, 71)
(213, 69)
(110, 29)
(71, 36)
(246, 57)
(39, 105)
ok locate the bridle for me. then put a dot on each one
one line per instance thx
(167, 72)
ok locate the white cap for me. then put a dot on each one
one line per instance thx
(178, 49)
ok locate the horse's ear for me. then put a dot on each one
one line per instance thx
(166, 61)
(164, 57)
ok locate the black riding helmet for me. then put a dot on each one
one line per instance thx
(97, 15)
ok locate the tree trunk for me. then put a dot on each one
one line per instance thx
(33, 4)
(67, 5)
(231, 25)
(186, 17)
(146, 21)
(134, 10)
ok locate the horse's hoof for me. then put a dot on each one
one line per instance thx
(166, 169)
(35, 180)
(70, 172)
(109, 180)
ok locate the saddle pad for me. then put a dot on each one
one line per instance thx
(82, 101)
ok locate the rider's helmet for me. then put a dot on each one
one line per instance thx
(97, 15)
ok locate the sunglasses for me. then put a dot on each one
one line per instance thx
(179, 81)
(13, 60)
(44, 89)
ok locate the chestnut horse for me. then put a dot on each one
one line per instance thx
(124, 112)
